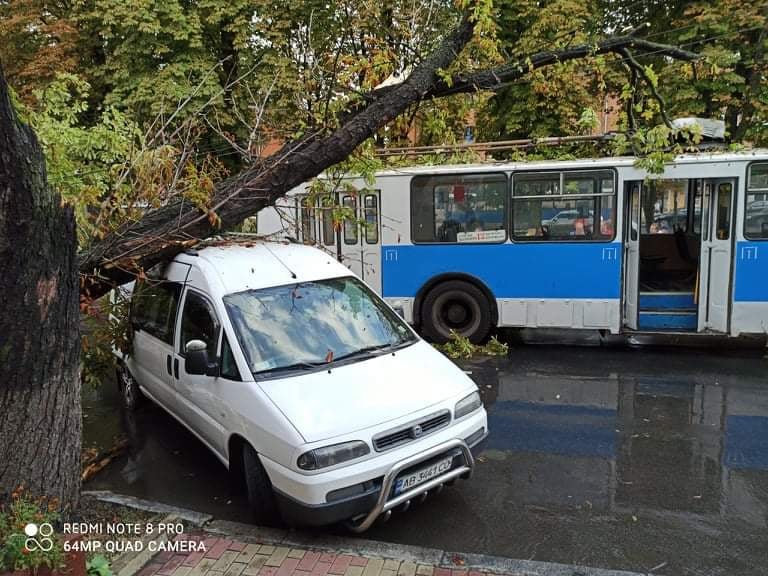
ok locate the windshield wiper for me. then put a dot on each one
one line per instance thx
(289, 367)
(367, 351)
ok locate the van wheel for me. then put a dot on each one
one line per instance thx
(261, 497)
(129, 389)
(456, 306)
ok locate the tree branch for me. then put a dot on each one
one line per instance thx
(163, 232)
(495, 78)
(639, 71)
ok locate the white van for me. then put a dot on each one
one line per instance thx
(298, 377)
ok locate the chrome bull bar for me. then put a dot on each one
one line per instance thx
(383, 505)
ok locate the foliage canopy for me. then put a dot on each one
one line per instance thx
(139, 101)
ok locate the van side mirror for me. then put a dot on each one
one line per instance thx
(197, 362)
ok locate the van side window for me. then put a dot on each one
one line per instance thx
(198, 322)
(153, 309)
(228, 365)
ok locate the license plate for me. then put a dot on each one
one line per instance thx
(405, 483)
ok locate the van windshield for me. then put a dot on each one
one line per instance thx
(311, 324)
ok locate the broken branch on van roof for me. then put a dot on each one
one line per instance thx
(163, 232)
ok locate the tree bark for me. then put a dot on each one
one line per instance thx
(39, 325)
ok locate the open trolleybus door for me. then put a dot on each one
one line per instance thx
(714, 282)
(632, 256)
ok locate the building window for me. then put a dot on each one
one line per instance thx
(756, 213)
(564, 206)
(460, 208)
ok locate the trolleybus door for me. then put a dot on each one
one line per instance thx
(360, 240)
(716, 256)
(350, 253)
(632, 256)
(370, 215)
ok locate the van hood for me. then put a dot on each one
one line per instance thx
(324, 405)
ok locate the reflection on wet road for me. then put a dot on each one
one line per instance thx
(626, 459)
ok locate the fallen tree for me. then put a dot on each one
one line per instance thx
(39, 334)
(163, 232)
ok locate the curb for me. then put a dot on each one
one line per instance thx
(192, 516)
(291, 538)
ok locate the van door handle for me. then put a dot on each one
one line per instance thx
(168, 364)
(176, 368)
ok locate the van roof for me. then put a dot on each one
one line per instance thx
(255, 264)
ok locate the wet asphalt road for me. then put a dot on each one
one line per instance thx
(615, 458)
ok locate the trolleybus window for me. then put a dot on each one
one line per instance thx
(700, 218)
(371, 218)
(307, 221)
(564, 206)
(665, 207)
(350, 223)
(756, 214)
(329, 231)
(462, 208)
(723, 219)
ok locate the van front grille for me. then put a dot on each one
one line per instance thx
(409, 432)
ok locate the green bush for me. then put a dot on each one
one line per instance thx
(15, 516)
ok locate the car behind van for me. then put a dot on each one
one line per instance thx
(301, 381)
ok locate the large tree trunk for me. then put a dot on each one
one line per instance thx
(40, 418)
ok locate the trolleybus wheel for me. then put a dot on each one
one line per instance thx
(456, 306)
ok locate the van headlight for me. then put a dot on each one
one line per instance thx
(331, 455)
(467, 405)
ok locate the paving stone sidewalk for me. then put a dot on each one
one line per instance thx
(234, 549)
(225, 557)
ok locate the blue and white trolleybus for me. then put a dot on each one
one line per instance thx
(585, 244)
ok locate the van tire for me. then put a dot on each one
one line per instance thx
(261, 496)
(130, 393)
(456, 305)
